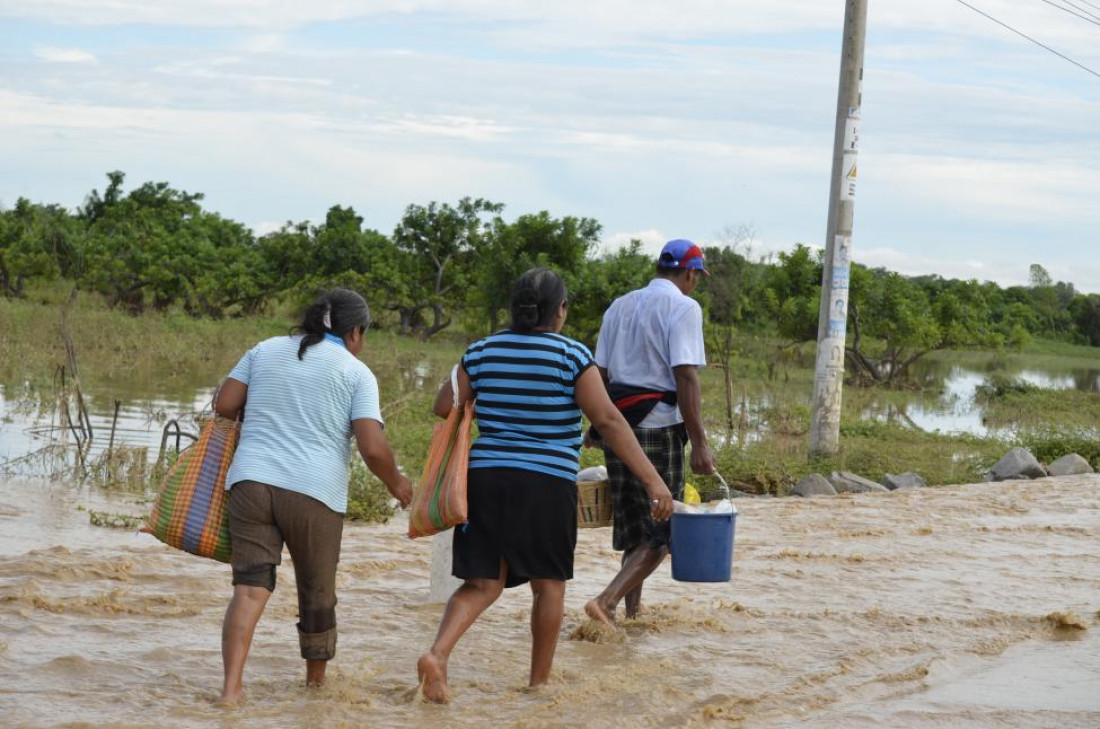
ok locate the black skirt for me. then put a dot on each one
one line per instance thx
(524, 518)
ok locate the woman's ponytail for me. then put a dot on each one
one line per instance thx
(336, 312)
(536, 296)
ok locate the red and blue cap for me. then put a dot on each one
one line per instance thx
(682, 253)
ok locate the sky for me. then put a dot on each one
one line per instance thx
(979, 151)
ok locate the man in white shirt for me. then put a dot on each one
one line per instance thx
(649, 351)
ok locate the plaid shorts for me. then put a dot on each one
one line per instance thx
(630, 504)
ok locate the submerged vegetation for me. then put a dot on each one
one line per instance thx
(761, 441)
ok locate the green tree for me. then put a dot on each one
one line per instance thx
(600, 281)
(562, 244)
(36, 242)
(792, 294)
(1038, 278)
(727, 294)
(1086, 317)
(437, 249)
(143, 245)
(896, 315)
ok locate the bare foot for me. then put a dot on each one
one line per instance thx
(597, 612)
(432, 673)
(230, 698)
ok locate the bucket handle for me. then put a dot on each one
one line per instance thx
(725, 486)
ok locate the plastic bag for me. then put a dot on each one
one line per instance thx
(439, 501)
(592, 473)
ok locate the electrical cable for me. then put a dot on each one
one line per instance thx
(1025, 35)
(1086, 11)
(1075, 14)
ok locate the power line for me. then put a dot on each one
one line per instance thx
(1091, 5)
(1074, 13)
(1086, 11)
(1025, 35)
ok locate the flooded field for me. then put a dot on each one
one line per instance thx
(944, 401)
(967, 606)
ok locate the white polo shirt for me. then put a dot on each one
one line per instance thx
(644, 335)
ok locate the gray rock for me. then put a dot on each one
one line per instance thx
(814, 485)
(907, 480)
(1017, 463)
(1069, 465)
(846, 482)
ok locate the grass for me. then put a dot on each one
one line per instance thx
(1020, 405)
(163, 354)
(112, 520)
(165, 350)
(368, 499)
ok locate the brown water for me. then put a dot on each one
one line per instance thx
(971, 606)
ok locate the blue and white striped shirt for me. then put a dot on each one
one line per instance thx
(297, 426)
(526, 408)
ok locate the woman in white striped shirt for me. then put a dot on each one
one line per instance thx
(306, 397)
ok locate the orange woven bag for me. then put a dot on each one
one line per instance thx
(439, 501)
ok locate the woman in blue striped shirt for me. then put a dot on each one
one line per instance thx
(529, 385)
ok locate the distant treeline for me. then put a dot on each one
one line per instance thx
(154, 247)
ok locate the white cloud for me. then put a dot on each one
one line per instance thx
(266, 226)
(538, 25)
(1001, 270)
(566, 21)
(1013, 190)
(265, 43)
(51, 54)
(674, 120)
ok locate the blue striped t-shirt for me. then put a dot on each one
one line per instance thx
(527, 413)
(297, 420)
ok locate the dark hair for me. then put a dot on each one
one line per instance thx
(672, 271)
(346, 310)
(536, 296)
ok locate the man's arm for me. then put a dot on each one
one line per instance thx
(689, 397)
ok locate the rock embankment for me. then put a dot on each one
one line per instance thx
(1017, 464)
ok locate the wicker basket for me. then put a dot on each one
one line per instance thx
(593, 504)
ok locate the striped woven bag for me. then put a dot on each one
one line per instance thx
(439, 502)
(192, 510)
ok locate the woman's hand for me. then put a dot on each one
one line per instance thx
(402, 491)
(378, 456)
(660, 501)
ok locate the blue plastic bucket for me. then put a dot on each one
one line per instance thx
(702, 547)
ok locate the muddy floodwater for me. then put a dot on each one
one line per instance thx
(967, 606)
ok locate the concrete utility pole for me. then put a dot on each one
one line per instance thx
(832, 323)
